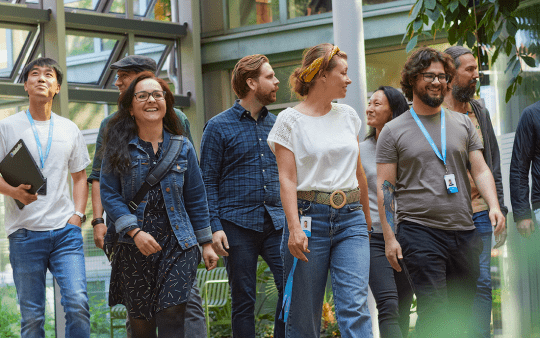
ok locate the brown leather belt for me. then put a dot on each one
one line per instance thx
(337, 199)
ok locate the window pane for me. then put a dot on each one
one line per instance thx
(11, 44)
(118, 6)
(308, 7)
(83, 4)
(151, 50)
(86, 115)
(252, 12)
(285, 94)
(87, 57)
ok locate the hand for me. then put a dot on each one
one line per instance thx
(393, 253)
(500, 239)
(298, 244)
(209, 256)
(525, 227)
(75, 220)
(23, 195)
(220, 243)
(145, 242)
(100, 230)
(497, 220)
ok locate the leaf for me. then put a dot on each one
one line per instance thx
(418, 23)
(471, 39)
(495, 54)
(511, 27)
(496, 34)
(529, 61)
(508, 48)
(465, 3)
(416, 9)
(517, 68)
(430, 4)
(509, 92)
(510, 65)
(411, 44)
(425, 19)
(433, 15)
(453, 5)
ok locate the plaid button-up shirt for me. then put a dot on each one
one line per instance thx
(239, 170)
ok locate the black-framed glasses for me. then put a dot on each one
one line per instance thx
(430, 77)
(142, 96)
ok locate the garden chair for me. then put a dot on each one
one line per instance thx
(118, 312)
(214, 288)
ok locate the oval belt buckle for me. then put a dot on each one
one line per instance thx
(334, 205)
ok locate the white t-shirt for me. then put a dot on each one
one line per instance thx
(68, 152)
(325, 148)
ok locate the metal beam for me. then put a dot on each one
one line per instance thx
(23, 14)
(112, 24)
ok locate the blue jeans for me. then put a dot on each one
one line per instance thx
(482, 300)
(61, 251)
(443, 267)
(245, 246)
(339, 242)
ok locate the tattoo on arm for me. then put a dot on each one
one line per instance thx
(388, 193)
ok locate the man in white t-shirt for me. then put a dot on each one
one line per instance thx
(46, 233)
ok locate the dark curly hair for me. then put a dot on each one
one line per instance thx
(420, 60)
(122, 128)
(300, 87)
(397, 103)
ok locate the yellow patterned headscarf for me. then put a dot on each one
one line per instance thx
(309, 73)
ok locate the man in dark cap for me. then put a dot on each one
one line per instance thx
(128, 69)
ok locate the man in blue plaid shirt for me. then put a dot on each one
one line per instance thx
(242, 184)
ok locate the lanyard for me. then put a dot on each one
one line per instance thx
(430, 140)
(36, 135)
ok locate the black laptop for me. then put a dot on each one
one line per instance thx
(19, 167)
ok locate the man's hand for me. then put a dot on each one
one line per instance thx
(500, 239)
(23, 195)
(100, 230)
(220, 243)
(145, 243)
(525, 227)
(497, 220)
(75, 220)
(209, 256)
(393, 253)
(298, 244)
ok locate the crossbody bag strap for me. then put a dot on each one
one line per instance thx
(159, 171)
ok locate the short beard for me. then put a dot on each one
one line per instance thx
(433, 102)
(464, 94)
(264, 99)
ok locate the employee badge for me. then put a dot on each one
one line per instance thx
(305, 222)
(450, 181)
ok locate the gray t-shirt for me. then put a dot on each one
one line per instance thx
(421, 194)
(367, 153)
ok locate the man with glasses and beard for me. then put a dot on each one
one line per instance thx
(459, 98)
(242, 185)
(436, 243)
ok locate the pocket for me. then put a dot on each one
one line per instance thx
(354, 206)
(19, 235)
(74, 226)
(177, 173)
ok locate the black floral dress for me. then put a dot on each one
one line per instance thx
(148, 284)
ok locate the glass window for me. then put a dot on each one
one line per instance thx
(87, 57)
(11, 44)
(118, 6)
(252, 12)
(82, 4)
(152, 49)
(86, 115)
(299, 8)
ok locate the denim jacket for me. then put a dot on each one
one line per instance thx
(182, 188)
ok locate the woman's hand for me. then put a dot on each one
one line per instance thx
(298, 244)
(145, 242)
(209, 256)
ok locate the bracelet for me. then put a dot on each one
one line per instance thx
(97, 221)
(136, 233)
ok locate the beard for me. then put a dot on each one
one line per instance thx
(265, 98)
(464, 94)
(432, 101)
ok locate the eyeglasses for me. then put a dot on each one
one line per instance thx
(430, 77)
(142, 96)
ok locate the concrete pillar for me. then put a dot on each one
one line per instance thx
(349, 37)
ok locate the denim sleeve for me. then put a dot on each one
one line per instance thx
(211, 162)
(113, 202)
(195, 197)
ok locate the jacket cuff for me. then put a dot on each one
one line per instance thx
(520, 215)
(216, 225)
(204, 235)
(125, 222)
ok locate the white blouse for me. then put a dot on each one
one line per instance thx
(325, 147)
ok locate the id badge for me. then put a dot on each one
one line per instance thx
(305, 222)
(450, 181)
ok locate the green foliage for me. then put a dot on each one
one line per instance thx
(10, 319)
(482, 25)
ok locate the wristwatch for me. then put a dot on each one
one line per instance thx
(81, 215)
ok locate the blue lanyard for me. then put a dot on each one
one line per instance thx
(287, 292)
(430, 140)
(36, 135)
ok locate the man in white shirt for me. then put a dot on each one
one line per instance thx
(46, 233)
